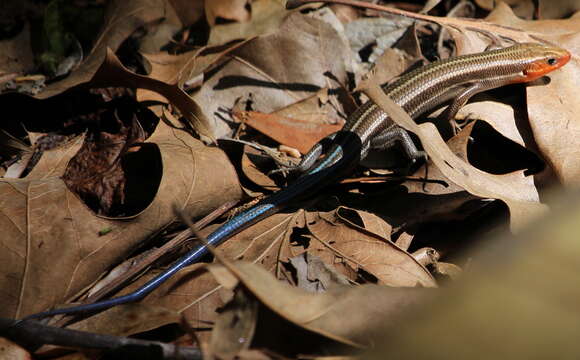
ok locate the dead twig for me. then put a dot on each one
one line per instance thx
(32, 332)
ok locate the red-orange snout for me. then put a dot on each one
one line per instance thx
(541, 67)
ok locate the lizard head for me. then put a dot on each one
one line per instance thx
(542, 59)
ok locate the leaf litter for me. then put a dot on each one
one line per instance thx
(289, 75)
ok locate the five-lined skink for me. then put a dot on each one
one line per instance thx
(369, 127)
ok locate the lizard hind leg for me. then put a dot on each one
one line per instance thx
(310, 158)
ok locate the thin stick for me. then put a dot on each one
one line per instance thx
(32, 333)
(293, 4)
(456, 24)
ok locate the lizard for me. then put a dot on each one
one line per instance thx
(456, 79)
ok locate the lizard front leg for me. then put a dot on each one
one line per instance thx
(396, 135)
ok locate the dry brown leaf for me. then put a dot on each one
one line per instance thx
(314, 275)
(254, 354)
(523, 8)
(390, 64)
(447, 269)
(263, 242)
(274, 71)
(410, 209)
(344, 13)
(342, 241)
(254, 165)
(551, 9)
(317, 109)
(498, 144)
(375, 33)
(167, 68)
(301, 135)
(374, 224)
(44, 221)
(472, 134)
(12, 351)
(189, 11)
(233, 10)
(558, 9)
(404, 241)
(53, 163)
(121, 19)
(500, 116)
(266, 17)
(375, 306)
(127, 319)
(160, 34)
(16, 54)
(235, 327)
(176, 70)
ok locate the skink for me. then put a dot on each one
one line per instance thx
(369, 127)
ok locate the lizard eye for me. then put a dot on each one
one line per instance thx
(552, 61)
